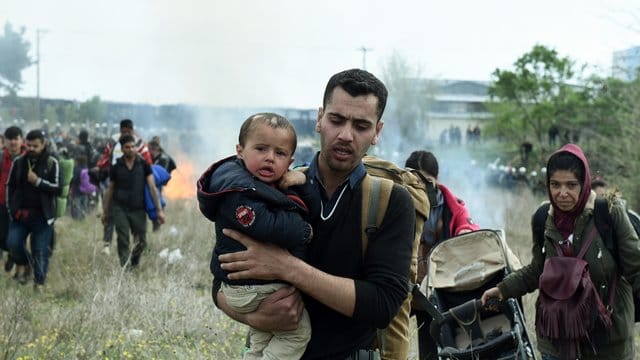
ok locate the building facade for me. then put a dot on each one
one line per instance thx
(626, 63)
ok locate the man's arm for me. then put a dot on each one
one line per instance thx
(51, 185)
(269, 262)
(105, 160)
(156, 199)
(106, 202)
(280, 311)
(143, 151)
(386, 267)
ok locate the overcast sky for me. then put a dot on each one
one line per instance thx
(280, 53)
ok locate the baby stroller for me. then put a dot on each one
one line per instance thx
(460, 269)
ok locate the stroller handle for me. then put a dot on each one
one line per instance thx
(466, 315)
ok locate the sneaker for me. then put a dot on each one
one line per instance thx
(8, 265)
(38, 288)
(23, 274)
(106, 250)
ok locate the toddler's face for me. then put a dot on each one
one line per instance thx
(267, 153)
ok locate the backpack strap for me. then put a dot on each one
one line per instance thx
(604, 223)
(538, 221)
(587, 243)
(376, 192)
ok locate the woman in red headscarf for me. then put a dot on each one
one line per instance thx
(568, 225)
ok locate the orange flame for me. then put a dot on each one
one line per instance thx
(183, 182)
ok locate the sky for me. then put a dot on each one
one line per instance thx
(281, 53)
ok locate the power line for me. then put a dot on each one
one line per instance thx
(38, 32)
(364, 55)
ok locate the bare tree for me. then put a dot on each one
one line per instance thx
(410, 98)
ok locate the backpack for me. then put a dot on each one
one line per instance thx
(86, 187)
(161, 178)
(393, 341)
(604, 224)
(569, 307)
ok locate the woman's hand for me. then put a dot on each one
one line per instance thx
(494, 292)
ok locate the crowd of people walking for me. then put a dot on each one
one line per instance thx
(48, 174)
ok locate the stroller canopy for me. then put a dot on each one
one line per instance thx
(468, 261)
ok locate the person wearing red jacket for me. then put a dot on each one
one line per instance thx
(448, 217)
(113, 150)
(111, 153)
(14, 147)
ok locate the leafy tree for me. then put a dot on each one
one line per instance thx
(51, 114)
(68, 113)
(536, 94)
(543, 89)
(92, 110)
(612, 147)
(14, 57)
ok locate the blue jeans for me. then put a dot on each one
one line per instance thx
(41, 239)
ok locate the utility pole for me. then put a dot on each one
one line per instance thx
(364, 56)
(38, 32)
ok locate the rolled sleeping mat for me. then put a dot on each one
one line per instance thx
(64, 192)
(61, 206)
(66, 171)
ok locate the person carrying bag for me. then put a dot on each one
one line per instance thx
(572, 287)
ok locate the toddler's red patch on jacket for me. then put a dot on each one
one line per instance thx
(245, 215)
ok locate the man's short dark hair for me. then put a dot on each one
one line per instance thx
(357, 82)
(425, 161)
(83, 136)
(126, 123)
(35, 135)
(126, 139)
(12, 132)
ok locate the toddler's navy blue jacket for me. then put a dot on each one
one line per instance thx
(232, 198)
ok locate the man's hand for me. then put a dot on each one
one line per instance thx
(280, 311)
(261, 261)
(105, 218)
(160, 216)
(32, 177)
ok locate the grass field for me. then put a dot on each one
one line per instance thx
(91, 309)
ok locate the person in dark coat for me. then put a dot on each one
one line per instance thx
(32, 188)
(570, 219)
(349, 293)
(124, 201)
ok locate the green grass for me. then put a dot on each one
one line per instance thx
(91, 309)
